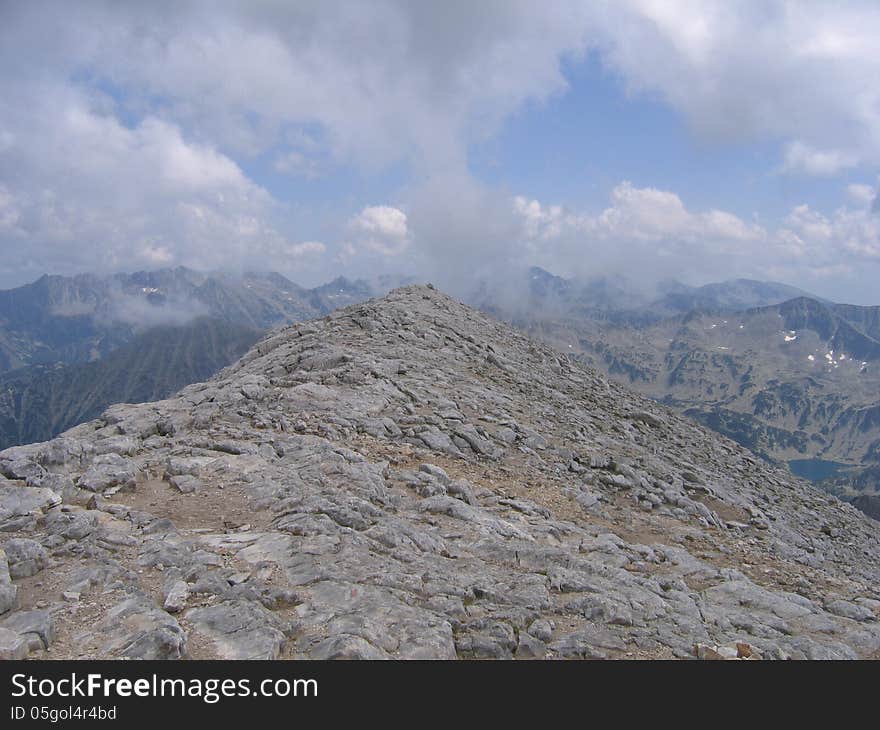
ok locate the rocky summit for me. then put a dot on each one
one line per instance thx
(408, 478)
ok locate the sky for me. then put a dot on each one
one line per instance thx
(650, 139)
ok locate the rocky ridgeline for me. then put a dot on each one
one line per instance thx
(408, 478)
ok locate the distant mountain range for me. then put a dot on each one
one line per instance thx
(536, 294)
(791, 381)
(736, 295)
(82, 318)
(41, 401)
(793, 377)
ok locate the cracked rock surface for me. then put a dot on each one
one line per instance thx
(408, 478)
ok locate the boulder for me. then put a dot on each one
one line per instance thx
(25, 557)
(13, 645)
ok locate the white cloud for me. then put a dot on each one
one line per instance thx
(801, 158)
(542, 222)
(91, 193)
(397, 80)
(347, 253)
(845, 237)
(804, 73)
(158, 255)
(861, 194)
(650, 233)
(306, 248)
(297, 163)
(645, 215)
(129, 127)
(383, 229)
(809, 224)
(9, 212)
(382, 81)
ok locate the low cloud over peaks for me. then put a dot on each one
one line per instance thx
(142, 314)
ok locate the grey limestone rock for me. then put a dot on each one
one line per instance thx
(25, 557)
(8, 590)
(37, 627)
(137, 629)
(12, 645)
(239, 630)
(176, 596)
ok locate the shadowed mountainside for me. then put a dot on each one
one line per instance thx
(59, 319)
(41, 401)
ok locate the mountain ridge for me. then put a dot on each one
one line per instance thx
(394, 481)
